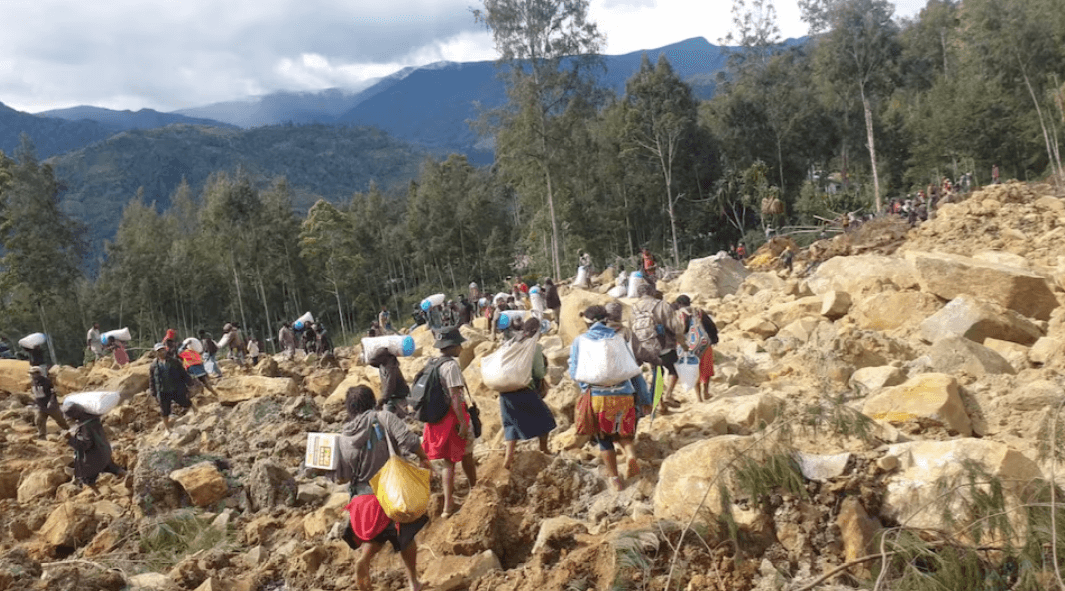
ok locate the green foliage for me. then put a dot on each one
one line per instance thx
(757, 479)
(165, 541)
(635, 552)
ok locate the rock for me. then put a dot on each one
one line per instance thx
(576, 301)
(859, 274)
(695, 471)
(9, 482)
(965, 316)
(894, 310)
(1015, 354)
(758, 325)
(699, 421)
(69, 379)
(238, 388)
(562, 527)
(357, 375)
(270, 484)
(153, 489)
(128, 383)
(319, 522)
(926, 398)
(788, 312)
(311, 494)
(1036, 396)
(323, 382)
(448, 573)
(14, 375)
(745, 414)
(800, 330)
(957, 354)
(949, 276)
(712, 277)
(871, 379)
(268, 368)
(756, 282)
(1045, 349)
(913, 497)
(71, 524)
(203, 482)
(152, 582)
(822, 467)
(40, 483)
(857, 530)
(836, 304)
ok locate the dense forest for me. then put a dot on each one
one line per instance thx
(870, 109)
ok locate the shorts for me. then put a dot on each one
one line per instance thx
(400, 535)
(180, 398)
(441, 440)
(668, 361)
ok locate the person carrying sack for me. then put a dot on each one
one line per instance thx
(617, 397)
(364, 450)
(700, 335)
(47, 403)
(524, 413)
(92, 451)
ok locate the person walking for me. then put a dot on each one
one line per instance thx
(92, 451)
(363, 452)
(700, 337)
(394, 387)
(617, 408)
(287, 340)
(552, 301)
(253, 351)
(210, 352)
(451, 438)
(169, 383)
(93, 342)
(655, 328)
(193, 364)
(47, 403)
(524, 414)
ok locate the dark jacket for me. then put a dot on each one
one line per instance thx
(168, 377)
(363, 450)
(393, 384)
(551, 296)
(92, 452)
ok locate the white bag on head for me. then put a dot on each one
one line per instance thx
(32, 341)
(509, 368)
(194, 344)
(121, 334)
(605, 362)
(97, 403)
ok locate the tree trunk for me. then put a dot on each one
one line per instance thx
(44, 329)
(236, 281)
(340, 312)
(1054, 167)
(872, 148)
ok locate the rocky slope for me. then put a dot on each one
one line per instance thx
(854, 400)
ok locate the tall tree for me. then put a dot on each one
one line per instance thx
(859, 52)
(755, 32)
(327, 243)
(548, 48)
(662, 112)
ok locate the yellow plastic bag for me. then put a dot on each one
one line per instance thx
(401, 487)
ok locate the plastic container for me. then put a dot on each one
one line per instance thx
(687, 371)
(323, 451)
(32, 341)
(582, 277)
(397, 344)
(97, 403)
(432, 301)
(536, 302)
(121, 334)
(507, 318)
(194, 344)
(500, 297)
(635, 281)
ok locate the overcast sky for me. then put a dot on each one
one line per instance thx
(169, 55)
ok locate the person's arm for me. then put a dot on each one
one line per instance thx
(80, 440)
(643, 395)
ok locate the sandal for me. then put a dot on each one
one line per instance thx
(616, 482)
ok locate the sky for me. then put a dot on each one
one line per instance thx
(170, 55)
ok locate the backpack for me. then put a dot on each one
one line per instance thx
(697, 338)
(645, 329)
(427, 395)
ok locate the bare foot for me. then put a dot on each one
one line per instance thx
(615, 481)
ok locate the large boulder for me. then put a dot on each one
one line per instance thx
(712, 277)
(957, 354)
(913, 497)
(893, 310)
(927, 398)
(70, 524)
(949, 276)
(270, 484)
(323, 382)
(787, 312)
(872, 379)
(14, 375)
(966, 316)
(862, 273)
(695, 472)
(203, 482)
(238, 388)
(40, 483)
(153, 489)
(572, 323)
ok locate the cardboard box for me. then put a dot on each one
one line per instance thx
(323, 451)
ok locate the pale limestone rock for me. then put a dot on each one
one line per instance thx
(14, 375)
(449, 573)
(927, 398)
(859, 274)
(1045, 349)
(836, 304)
(787, 312)
(238, 388)
(893, 310)
(1035, 396)
(821, 467)
(856, 528)
(712, 277)
(912, 498)
(1014, 353)
(949, 276)
(695, 471)
(957, 354)
(70, 524)
(801, 330)
(870, 379)
(40, 483)
(976, 320)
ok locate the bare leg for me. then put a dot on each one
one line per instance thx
(508, 457)
(362, 565)
(448, 478)
(410, 562)
(469, 466)
(671, 383)
(610, 460)
(543, 444)
(629, 445)
(166, 423)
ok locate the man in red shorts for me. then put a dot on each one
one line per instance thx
(451, 439)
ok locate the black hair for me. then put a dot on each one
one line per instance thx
(358, 400)
(595, 313)
(683, 300)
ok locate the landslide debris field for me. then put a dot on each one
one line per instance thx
(886, 416)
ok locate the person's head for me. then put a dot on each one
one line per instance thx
(449, 342)
(683, 301)
(614, 311)
(96, 325)
(645, 289)
(77, 413)
(595, 313)
(203, 333)
(228, 327)
(530, 328)
(35, 371)
(510, 300)
(358, 400)
(159, 350)
(171, 335)
(548, 281)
